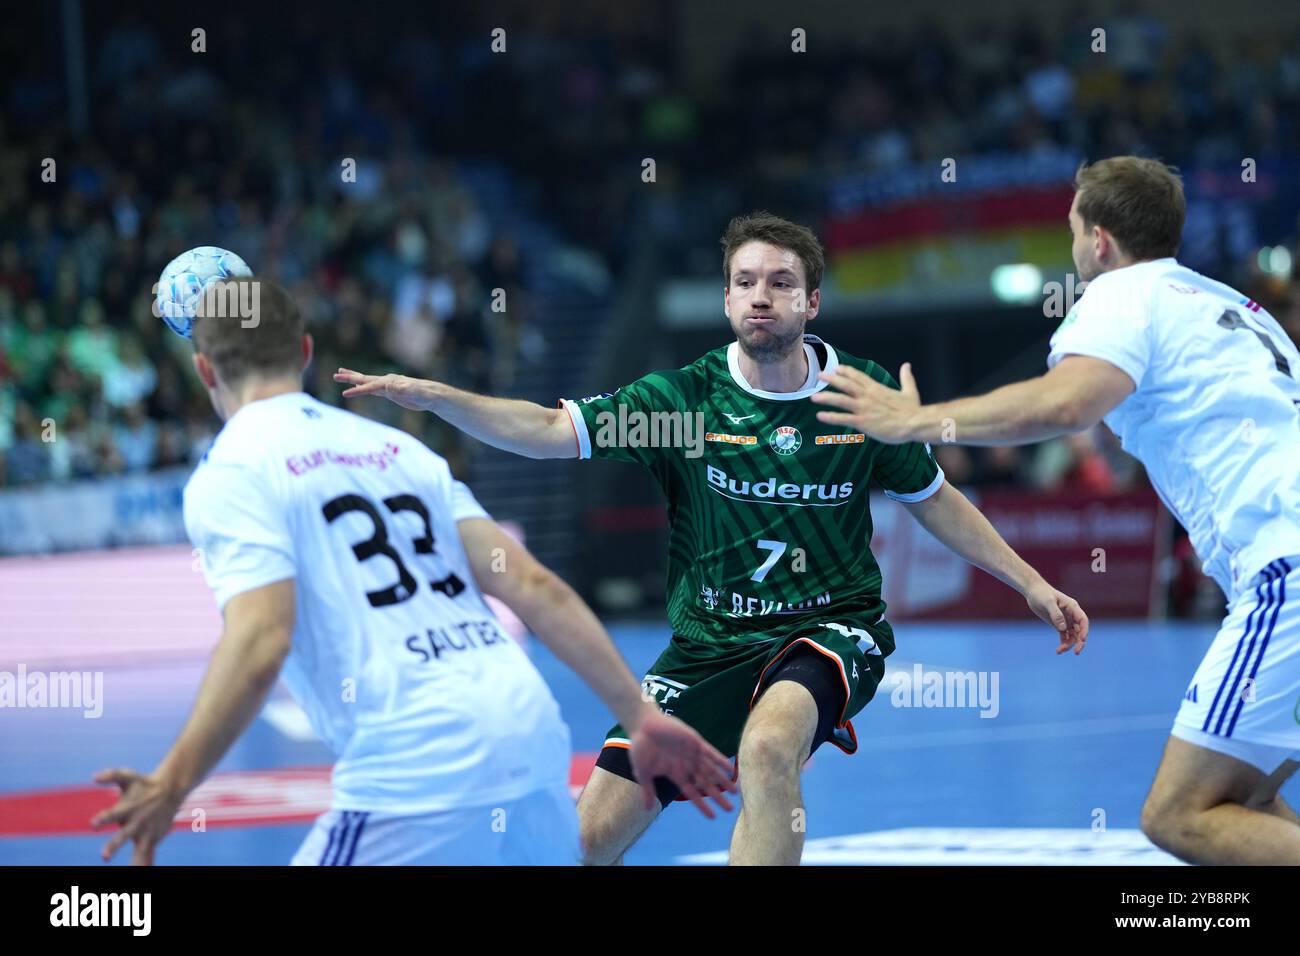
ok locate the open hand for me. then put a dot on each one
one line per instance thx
(405, 391)
(145, 811)
(664, 746)
(883, 413)
(1062, 612)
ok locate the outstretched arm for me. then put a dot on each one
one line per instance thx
(1072, 397)
(516, 426)
(660, 745)
(244, 666)
(950, 517)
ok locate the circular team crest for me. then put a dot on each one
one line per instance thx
(785, 440)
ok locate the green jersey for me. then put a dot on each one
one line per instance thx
(769, 518)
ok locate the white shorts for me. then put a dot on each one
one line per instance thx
(1245, 698)
(538, 829)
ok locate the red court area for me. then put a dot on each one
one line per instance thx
(240, 798)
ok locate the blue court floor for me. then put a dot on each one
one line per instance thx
(1056, 773)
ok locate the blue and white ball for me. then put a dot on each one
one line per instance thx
(181, 285)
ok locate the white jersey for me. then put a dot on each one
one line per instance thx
(399, 663)
(1214, 417)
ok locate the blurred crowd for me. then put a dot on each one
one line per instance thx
(396, 270)
(1089, 463)
(771, 128)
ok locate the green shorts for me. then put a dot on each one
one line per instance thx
(713, 687)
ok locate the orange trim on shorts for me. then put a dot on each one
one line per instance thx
(852, 736)
(616, 743)
(813, 644)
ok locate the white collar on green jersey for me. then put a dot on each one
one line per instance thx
(812, 384)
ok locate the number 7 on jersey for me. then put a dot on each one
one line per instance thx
(777, 548)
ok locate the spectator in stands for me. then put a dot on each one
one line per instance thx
(1074, 464)
(1000, 467)
(28, 459)
(382, 264)
(956, 462)
(135, 438)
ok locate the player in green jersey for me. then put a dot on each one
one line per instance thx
(774, 597)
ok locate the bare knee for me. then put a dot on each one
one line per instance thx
(769, 751)
(1190, 782)
(1163, 819)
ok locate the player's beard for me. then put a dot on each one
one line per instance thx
(767, 345)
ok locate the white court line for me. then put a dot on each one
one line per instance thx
(976, 846)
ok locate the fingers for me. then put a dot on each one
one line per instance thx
(857, 377)
(692, 794)
(1080, 627)
(842, 380)
(714, 780)
(718, 794)
(144, 849)
(907, 381)
(1076, 631)
(118, 776)
(1057, 617)
(714, 772)
(838, 399)
(350, 377)
(835, 418)
(373, 386)
(114, 814)
(119, 810)
(710, 752)
(722, 773)
(1080, 619)
(361, 383)
(113, 845)
(648, 795)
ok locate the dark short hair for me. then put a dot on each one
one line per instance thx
(1138, 201)
(765, 227)
(249, 326)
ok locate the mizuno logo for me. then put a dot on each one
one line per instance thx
(737, 419)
